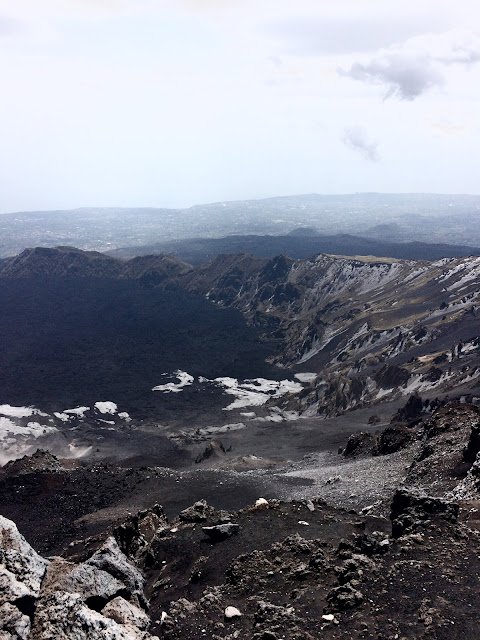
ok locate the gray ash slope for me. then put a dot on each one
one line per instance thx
(293, 569)
(79, 327)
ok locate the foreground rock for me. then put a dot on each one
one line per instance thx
(99, 599)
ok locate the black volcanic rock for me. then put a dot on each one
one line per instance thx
(410, 509)
(394, 439)
(72, 341)
(41, 460)
(61, 262)
(359, 443)
(412, 410)
(300, 243)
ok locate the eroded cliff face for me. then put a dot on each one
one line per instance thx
(355, 321)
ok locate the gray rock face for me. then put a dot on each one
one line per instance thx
(109, 558)
(64, 616)
(123, 612)
(64, 603)
(221, 531)
(344, 597)
(90, 583)
(197, 512)
(410, 507)
(140, 529)
(18, 557)
(13, 623)
(10, 588)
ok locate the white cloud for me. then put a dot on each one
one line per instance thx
(420, 64)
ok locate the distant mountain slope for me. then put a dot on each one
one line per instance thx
(429, 218)
(297, 245)
(71, 262)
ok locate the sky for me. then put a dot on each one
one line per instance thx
(170, 103)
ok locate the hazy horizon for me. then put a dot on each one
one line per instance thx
(143, 103)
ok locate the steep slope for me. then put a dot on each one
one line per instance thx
(60, 262)
(347, 319)
(67, 262)
(237, 566)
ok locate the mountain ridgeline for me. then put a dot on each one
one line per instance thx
(367, 329)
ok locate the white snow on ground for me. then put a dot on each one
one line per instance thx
(77, 411)
(253, 392)
(378, 276)
(106, 407)
(468, 347)
(382, 393)
(472, 376)
(306, 377)
(125, 416)
(184, 378)
(223, 429)
(256, 391)
(318, 345)
(32, 429)
(18, 412)
(417, 383)
(415, 273)
(62, 416)
(473, 273)
(454, 307)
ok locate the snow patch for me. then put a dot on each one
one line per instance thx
(62, 416)
(77, 411)
(305, 377)
(207, 431)
(106, 407)
(32, 429)
(16, 412)
(185, 379)
(256, 391)
(319, 345)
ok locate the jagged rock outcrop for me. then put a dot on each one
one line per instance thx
(41, 460)
(137, 532)
(99, 599)
(447, 446)
(18, 558)
(110, 559)
(411, 509)
(64, 616)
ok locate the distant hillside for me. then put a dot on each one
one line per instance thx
(429, 218)
(297, 245)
